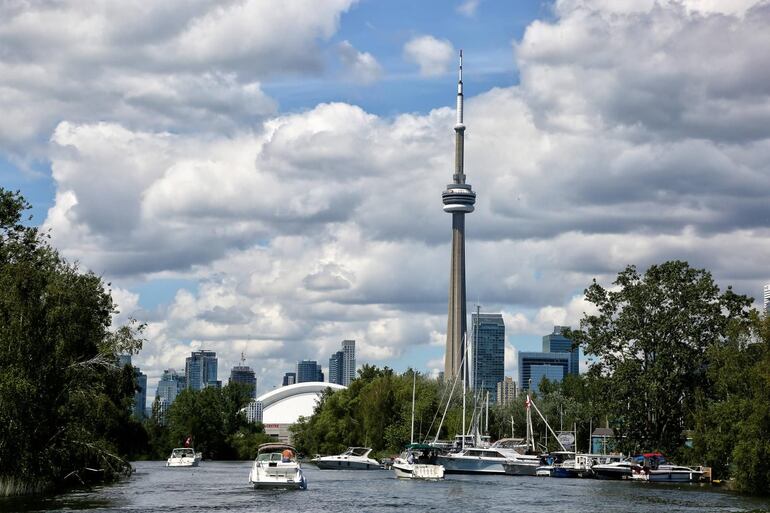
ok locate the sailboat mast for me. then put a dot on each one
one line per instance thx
(414, 384)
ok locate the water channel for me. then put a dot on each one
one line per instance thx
(222, 487)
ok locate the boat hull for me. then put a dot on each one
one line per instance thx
(472, 465)
(418, 471)
(185, 462)
(345, 465)
(520, 469)
(659, 476)
(611, 474)
(289, 479)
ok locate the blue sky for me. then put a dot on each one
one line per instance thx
(267, 180)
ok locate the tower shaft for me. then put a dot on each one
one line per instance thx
(456, 320)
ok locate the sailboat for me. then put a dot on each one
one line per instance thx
(418, 461)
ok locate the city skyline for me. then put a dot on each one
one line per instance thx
(276, 196)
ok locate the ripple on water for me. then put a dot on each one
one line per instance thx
(223, 486)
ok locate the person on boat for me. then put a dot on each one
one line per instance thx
(287, 455)
(410, 457)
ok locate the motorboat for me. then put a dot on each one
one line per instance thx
(566, 468)
(477, 460)
(418, 461)
(183, 457)
(276, 466)
(355, 458)
(667, 474)
(613, 470)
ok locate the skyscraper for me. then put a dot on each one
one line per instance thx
(458, 199)
(289, 378)
(170, 384)
(506, 391)
(140, 395)
(558, 343)
(536, 366)
(200, 370)
(348, 361)
(488, 335)
(244, 375)
(309, 370)
(336, 367)
(766, 296)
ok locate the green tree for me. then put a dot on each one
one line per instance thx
(732, 433)
(64, 403)
(650, 335)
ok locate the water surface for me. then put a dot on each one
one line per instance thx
(223, 486)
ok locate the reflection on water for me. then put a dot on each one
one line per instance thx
(223, 486)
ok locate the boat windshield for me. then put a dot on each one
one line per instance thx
(183, 453)
(269, 456)
(358, 451)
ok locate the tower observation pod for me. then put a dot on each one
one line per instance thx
(459, 200)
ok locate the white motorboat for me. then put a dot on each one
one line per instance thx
(613, 470)
(667, 474)
(418, 461)
(477, 460)
(183, 457)
(276, 466)
(355, 458)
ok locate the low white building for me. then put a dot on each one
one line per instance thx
(283, 406)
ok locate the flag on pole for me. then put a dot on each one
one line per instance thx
(527, 403)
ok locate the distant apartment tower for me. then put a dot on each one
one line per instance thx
(506, 391)
(536, 366)
(766, 297)
(289, 378)
(200, 370)
(254, 411)
(140, 393)
(169, 386)
(342, 364)
(140, 396)
(349, 361)
(336, 367)
(488, 359)
(558, 343)
(245, 376)
(309, 370)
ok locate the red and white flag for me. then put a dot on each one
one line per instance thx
(527, 402)
(188, 441)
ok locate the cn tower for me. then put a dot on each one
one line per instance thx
(458, 201)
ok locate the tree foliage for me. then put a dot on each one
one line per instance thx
(64, 402)
(374, 411)
(650, 335)
(214, 420)
(732, 430)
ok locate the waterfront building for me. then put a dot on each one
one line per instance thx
(603, 441)
(169, 386)
(506, 391)
(458, 200)
(200, 370)
(309, 370)
(244, 375)
(766, 297)
(536, 366)
(348, 362)
(283, 406)
(558, 343)
(336, 367)
(289, 378)
(488, 348)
